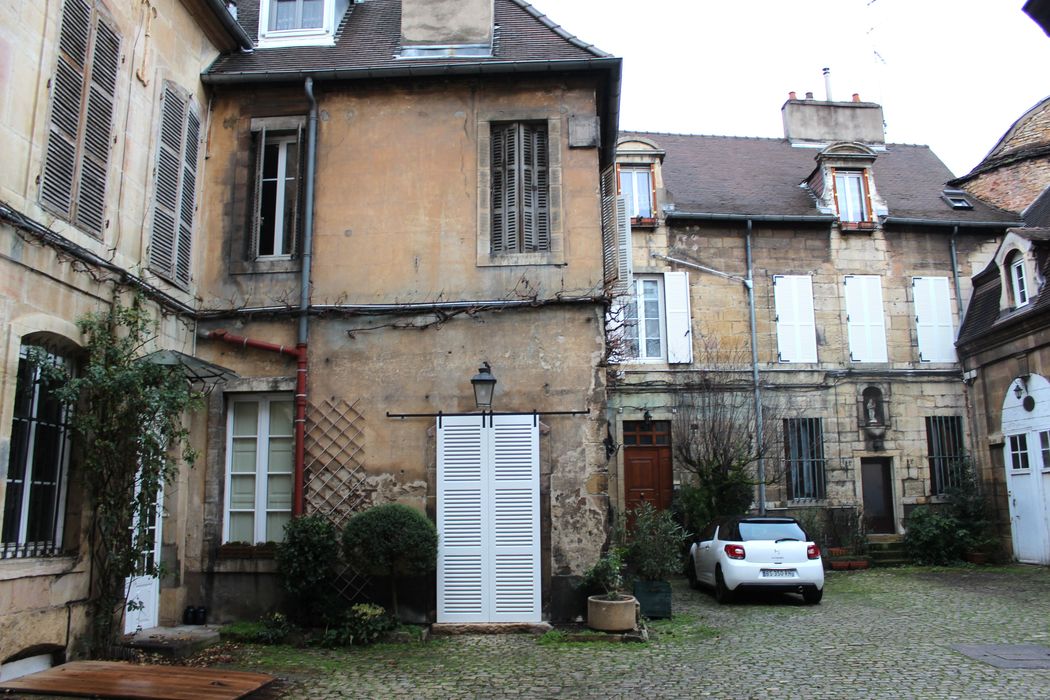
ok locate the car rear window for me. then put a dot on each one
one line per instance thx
(751, 530)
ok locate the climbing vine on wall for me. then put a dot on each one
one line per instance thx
(127, 416)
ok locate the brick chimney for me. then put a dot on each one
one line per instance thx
(818, 121)
(446, 27)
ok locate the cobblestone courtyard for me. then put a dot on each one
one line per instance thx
(878, 634)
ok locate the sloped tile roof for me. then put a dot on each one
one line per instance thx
(1038, 212)
(762, 176)
(368, 39)
(983, 315)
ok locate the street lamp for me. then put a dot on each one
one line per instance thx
(484, 385)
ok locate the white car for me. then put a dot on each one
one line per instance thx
(756, 552)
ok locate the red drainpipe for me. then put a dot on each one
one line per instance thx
(299, 353)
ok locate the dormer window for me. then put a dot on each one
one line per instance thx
(636, 186)
(285, 23)
(851, 196)
(956, 199)
(1018, 281)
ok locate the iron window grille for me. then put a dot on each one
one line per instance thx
(35, 497)
(945, 452)
(805, 465)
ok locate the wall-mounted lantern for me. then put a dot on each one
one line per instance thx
(484, 386)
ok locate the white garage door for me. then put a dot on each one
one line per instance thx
(488, 519)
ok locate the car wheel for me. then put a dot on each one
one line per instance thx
(812, 595)
(690, 573)
(723, 595)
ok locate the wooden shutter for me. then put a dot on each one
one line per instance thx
(188, 199)
(260, 155)
(503, 145)
(679, 325)
(610, 230)
(488, 519)
(462, 516)
(98, 129)
(537, 189)
(515, 527)
(67, 95)
(298, 202)
(864, 318)
(796, 330)
(166, 197)
(933, 319)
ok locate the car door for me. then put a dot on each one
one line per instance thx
(707, 554)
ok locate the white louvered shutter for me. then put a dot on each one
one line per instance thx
(864, 318)
(796, 330)
(188, 197)
(462, 515)
(625, 265)
(488, 519)
(933, 319)
(679, 325)
(515, 527)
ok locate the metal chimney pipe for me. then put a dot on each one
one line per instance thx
(827, 83)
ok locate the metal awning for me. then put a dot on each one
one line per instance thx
(195, 369)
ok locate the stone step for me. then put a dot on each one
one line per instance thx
(173, 642)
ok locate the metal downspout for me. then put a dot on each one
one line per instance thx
(750, 284)
(302, 369)
(959, 310)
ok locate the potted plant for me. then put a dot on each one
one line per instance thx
(611, 611)
(653, 556)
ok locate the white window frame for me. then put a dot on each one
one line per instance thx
(633, 192)
(851, 204)
(282, 179)
(1019, 281)
(19, 546)
(796, 327)
(262, 472)
(310, 36)
(672, 312)
(934, 328)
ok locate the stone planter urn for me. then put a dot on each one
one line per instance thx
(612, 615)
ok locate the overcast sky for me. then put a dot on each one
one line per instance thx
(953, 74)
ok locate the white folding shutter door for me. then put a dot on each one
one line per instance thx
(864, 318)
(796, 330)
(679, 326)
(514, 527)
(462, 515)
(933, 319)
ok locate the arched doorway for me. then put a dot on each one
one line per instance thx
(1026, 438)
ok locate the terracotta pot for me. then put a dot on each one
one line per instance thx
(860, 564)
(612, 615)
(839, 565)
(837, 551)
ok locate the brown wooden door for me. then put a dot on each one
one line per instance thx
(876, 480)
(647, 463)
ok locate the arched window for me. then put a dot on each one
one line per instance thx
(35, 496)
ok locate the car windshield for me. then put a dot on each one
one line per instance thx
(751, 530)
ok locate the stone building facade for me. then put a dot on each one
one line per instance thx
(857, 254)
(84, 87)
(1003, 342)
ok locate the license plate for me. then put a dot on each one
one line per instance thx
(779, 573)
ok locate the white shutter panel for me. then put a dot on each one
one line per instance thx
(796, 329)
(624, 264)
(461, 516)
(679, 324)
(188, 198)
(166, 187)
(864, 318)
(933, 319)
(515, 527)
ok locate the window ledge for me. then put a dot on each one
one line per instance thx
(644, 222)
(858, 225)
(512, 259)
(295, 37)
(264, 267)
(42, 566)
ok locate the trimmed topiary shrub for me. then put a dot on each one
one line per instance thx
(391, 540)
(306, 561)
